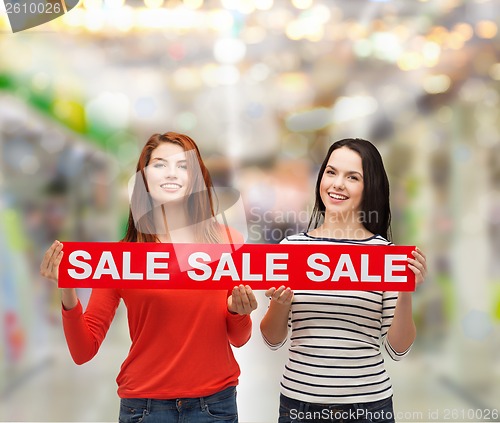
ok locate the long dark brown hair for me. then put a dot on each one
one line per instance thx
(375, 208)
(200, 201)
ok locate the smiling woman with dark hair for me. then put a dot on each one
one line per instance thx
(180, 366)
(335, 370)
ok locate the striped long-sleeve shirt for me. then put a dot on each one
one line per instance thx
(335, 342)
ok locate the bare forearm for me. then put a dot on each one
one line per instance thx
(69, 298)
(402, 332)
(274, 325)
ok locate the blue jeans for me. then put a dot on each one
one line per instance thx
(294, 411)
(219, 407)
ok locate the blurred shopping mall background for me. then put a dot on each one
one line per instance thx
(264, 86)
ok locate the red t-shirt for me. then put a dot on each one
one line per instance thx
(180, 340)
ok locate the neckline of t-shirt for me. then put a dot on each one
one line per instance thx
(340, 239)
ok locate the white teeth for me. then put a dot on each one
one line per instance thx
(170, 186)
(338, 196)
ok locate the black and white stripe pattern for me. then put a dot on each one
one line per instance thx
(334, 355)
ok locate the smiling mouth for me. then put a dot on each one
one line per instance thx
(170, 186)
(337, 196)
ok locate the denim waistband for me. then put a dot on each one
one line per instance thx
(151, 404)
(307, 406)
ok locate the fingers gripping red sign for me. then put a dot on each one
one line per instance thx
(222, 266)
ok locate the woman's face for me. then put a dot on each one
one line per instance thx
(341, 187)
(167, 173)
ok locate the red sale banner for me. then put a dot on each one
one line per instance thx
(222, 266)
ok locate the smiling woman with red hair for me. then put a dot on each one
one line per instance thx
(197, 207)
(180, 365)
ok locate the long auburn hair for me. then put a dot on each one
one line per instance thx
(375, 190)
(200, 201)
